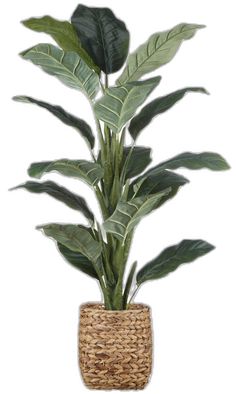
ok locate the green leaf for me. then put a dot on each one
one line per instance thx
(68, 67)
(156, 107)
(157, 51)
(171, 258)
(139, 160)
(85, 170)
(129, 284)
(78, 261)
(63, 33)
(128, 214)
(119, 104)
(70, 120)
(59, 193)
(192, 161)
(103, 36)
(76, 238)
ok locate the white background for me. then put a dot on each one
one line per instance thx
(193, 308)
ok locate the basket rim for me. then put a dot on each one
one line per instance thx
(98, 307)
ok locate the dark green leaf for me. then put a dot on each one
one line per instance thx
(157, 51)
(63, 33)
(70, 120)
(171, 258)
(156, 107)
(139, 160)
(76, 238)
(60, 193)
(129, 284)
(88, 171)
(119, 104)
(78, 261)
(68, 67)
(103, 36)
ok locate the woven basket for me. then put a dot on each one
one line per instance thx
(115, 347)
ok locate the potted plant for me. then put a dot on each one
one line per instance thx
(115, 338)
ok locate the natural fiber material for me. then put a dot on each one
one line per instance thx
(115, 347)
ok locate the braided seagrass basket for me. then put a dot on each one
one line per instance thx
(115, 347)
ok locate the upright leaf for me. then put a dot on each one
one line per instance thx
(68, 67)
(85, 170)
(70, 120)
(192, 161)
(78, 261)
(128, 214)
(75, 238)
(157, 107)
(103, 36)
(59, 193)
(119, 104)
(139, 160)
(171, 258)
(157, 51)
(63, 33)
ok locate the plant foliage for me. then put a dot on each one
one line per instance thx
(91, 46)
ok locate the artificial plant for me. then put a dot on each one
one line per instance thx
(93, 45)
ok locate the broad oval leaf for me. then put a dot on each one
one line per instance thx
(128, 214)
(76, 238)
(103, 36)
(119, 104)
(70, 120)
(171, 258)
(191, 161)
(59, 193)
(156, 107)
(157, 51)
(64, 33)
(139, 160)
(78, 261)
(68, 67)
(85, 170)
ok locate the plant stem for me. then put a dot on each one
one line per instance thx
(133, 295)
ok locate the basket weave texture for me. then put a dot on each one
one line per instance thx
(115, 347)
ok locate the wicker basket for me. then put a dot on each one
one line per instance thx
(115, 347)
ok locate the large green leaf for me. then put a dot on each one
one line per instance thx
(68, 67)
(119, 104)
(78, 261)
(157, 51)
(156, 107)
(76, 238)
(60, 193)
(85, 170)
(139, 160)
(192, 161)
(171, 258)
(63, 33)
(70, 120)
(128, 214)
(103, 36)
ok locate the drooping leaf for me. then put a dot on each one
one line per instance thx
(68, 67)
(192, 161)
(119, 104)
(128, 214)
(139, 160)
(171, 258)
(78, 261)
(64, 33)
(156, 107)
(103, 36)
(129, 284)
(85, 170)
(76, 238)
(70, 120)
(60, 193)
(159, 49)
